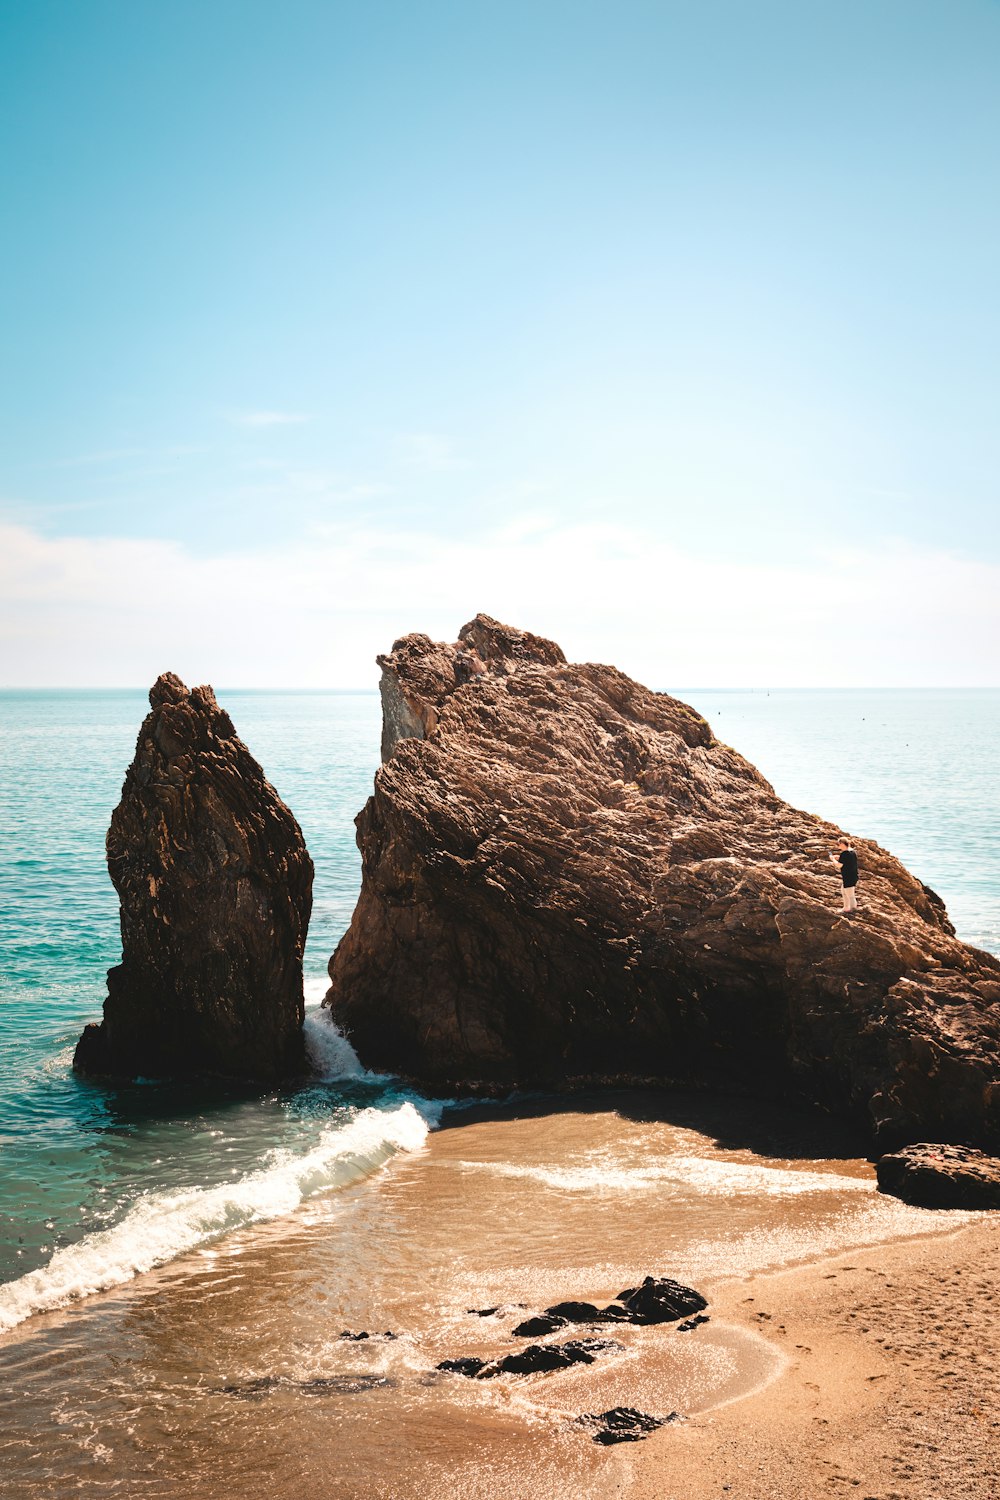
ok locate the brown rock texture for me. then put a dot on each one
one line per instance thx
(215, 885)
(568, 878)
(940, 1176)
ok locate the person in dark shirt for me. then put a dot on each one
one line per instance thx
(848, 862)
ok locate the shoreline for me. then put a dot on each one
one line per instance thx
(239, 1356)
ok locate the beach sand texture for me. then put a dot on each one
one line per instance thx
(867, 1369)
(891, 1390)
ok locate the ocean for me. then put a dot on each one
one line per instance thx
(120, 1199)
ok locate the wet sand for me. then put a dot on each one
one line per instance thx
(225, 1373)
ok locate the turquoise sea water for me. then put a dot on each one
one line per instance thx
(98, 1183)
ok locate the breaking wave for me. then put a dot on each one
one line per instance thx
(164, 1225)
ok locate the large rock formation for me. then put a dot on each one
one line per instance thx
(216, 889)
(566, 876)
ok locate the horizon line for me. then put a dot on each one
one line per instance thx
(931, 687)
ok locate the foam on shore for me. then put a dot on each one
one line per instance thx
(163, 1226)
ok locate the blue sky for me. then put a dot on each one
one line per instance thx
(669, 329)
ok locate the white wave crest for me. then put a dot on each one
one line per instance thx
(314, 987)
(329, 1052)
(163, 1226)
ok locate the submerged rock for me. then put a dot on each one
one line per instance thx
(467, 1365)
(215, 887)
(941, 1177)
(358, 1338)
(322, 1385)
(568, 877)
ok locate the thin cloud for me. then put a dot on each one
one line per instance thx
(90, 611)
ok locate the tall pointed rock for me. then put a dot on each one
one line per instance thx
(215, 885)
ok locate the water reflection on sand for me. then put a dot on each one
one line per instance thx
(514, 1208)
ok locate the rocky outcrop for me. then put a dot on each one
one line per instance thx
(941, 1177)
(215, 887)
(657, 1300)
(567, 876)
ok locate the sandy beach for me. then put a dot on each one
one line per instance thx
(865, 1365)
(890, 1391)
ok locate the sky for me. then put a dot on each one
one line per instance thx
(666, 329)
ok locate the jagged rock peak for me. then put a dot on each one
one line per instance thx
(567, 877)
(419, 674)
(215, 886)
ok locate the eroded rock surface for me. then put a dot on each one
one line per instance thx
(568, 877)
(938, 1176)
(215, 887)
(623, 1424)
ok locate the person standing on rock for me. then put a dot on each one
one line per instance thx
(848, 862)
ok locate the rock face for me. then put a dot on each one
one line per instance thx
(941, 1177)
(215, 887)
(567, 877)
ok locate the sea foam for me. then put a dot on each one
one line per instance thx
(714, 1178)
(162, 1226)
(330, 1054)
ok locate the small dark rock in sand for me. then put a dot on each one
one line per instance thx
(482, 1312)
(661, 1301)
(356, 1338)
(535, 1328)
(539, 1357)
(624, 1424)
(533, 1360)
(692, 1323)
(932, 1176)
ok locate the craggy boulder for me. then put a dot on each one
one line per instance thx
(932, 1176)
(215, 887)
(567, 877)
